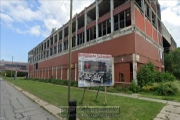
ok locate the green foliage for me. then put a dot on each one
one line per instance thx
(8, 74)
(172, 63)
(163, 77)
(56, 81)
(134, 87)
(146, 74)
(166, 88)
(149, 88)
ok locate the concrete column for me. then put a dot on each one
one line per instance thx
(143, 7)
(76, 29)
(39, 73)
(56, 72)
(42, 73)
(48, 73)
(45, 74)
(97, 17)
(61, 72)
(67, 74)
(85, 24)
(52, 72)
(132, 13)
(62, 44)
(57, 42)
(112, 16)
(134, 68)
(75, 71)
(157, 25)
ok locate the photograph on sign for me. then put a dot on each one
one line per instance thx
(95, 70)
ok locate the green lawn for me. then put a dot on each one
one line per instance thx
(130, 109)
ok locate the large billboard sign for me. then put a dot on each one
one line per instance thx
(95, 70)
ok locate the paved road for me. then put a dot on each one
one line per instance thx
(15, 106)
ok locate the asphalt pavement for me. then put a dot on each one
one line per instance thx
(16, 106)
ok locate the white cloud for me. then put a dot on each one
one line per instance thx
(168, 3)
(6, 18)
(35, 30)
(170, 16)
(51, 14)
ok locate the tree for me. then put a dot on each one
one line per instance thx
(53, 30)
(172, 62)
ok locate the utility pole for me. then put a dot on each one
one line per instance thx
(71, 104)
(70, 46)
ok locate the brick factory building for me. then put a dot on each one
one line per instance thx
(129, 30)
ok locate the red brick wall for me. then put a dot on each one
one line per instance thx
(148, 28)
(122, 68)
(139, 19)
(145, 48)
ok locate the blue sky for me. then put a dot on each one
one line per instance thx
(25, 23)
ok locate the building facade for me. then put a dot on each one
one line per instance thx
(129, 30)
(14, 66)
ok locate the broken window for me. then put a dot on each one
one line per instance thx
(153, 19)
(147, 10)
(104, 28)
(55, 38)
(51, 51)
(41, 46)
(65, 44)
(159, 26)
(91, 33)
(88, 34)
(44, 45)
(100, 29)
(51, 40)
(48, 44)
(44, 54)
(128, 17)
(55, 49)
(122, 20)
(121, 77)
(60, 35)
(73, 41)
(116, 22)
(80, 38)
(138, 2)
(108, 26)
(59, 47)
(118, 3)
(47, 54)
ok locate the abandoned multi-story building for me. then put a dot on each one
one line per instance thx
(129, 30)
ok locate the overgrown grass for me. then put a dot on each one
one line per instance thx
(130, 109)
(170, 97)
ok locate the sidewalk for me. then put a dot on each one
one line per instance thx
(50, 108)
(169, 112)
(16, 106)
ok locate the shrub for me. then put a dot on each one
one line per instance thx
(168, 77)
(163, 77)
(134, 87)
(167, 88)
(149, 88)
(146, 74)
